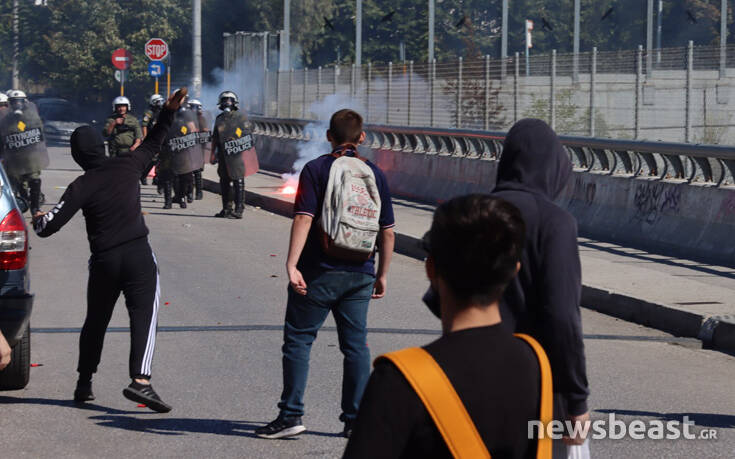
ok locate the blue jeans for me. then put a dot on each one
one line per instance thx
(347, 295)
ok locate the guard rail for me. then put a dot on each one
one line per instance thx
(691, 163)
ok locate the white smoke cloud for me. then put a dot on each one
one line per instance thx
(317, 145)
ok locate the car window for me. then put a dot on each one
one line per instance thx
(57, 112)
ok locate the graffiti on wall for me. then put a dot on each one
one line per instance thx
(584, 192)
(653, 200)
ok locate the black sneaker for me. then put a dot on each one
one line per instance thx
(281, 427)
(224, 213)
(144, 393)
(83, 393)
(349, 423)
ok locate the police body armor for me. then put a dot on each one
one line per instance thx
(234, 140)
(182, 144)
(23, 144)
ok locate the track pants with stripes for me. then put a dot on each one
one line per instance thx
(129, 269)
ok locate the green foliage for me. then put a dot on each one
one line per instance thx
(571, 119)
(67, 44)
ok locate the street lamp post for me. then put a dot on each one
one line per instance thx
(16, 46)
(432, 14)
(197, 47)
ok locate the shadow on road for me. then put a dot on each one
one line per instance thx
(180, 426)
(4, 399)
(700, 419)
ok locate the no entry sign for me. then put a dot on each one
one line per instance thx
(121, 59)
(156, 49)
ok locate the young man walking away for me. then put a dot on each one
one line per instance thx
(122, 260)
(322, 279)
(474, 246)
(543, 301)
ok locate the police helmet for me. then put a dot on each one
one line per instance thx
(120, 100)
(3, 99)
(157, 100)
(16, 94)
(195, 104)
(228, 99)
(17, 99)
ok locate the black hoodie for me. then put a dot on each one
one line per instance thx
(109, 191)
(543, 300)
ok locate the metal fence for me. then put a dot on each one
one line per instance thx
(673, 94)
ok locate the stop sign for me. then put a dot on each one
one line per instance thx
(156, 49)
(122, 59)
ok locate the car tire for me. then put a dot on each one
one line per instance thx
(15, 376)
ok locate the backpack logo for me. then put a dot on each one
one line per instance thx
(351, 210)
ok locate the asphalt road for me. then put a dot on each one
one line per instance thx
(218, 355)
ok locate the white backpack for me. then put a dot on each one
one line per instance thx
(351, 210)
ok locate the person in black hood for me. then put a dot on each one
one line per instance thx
(122, 260)
(543, 300)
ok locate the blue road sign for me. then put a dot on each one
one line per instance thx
(156, 68)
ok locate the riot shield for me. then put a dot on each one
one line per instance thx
(183, 143)
(236, 144)
(23, 144)
(205, 134)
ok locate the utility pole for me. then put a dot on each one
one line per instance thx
(285, 45)
(723, 39)
(659, 22)
(197, 47)
(575, 58)
(358, 34)
(431, 30)
(504, 37)
(16, 46)
(649, 38)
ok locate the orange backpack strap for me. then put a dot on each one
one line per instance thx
(432, 386)
(543, 451)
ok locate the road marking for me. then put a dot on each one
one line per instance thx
(388, 331)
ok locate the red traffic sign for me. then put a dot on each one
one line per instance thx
(156, 49)
(122, 59)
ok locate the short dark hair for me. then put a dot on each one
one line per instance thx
(476, 242)
(346, 126)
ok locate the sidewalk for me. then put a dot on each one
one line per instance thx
(679, 296)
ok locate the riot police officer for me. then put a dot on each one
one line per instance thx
(182, 155)
(231, 137)
(205, 140)
(3, 103)
(150, 116)
(122, 128)
(24, 151)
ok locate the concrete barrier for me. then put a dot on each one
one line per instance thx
(673, 218)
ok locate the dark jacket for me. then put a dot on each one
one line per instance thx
(109, 192)
(543, 300)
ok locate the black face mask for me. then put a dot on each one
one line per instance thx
(431, 300)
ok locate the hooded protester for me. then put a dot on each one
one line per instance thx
(122, 260)
(543, 300)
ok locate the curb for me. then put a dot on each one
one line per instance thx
(716, 332)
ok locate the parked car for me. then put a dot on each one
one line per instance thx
(60, 117)
(16, 301)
